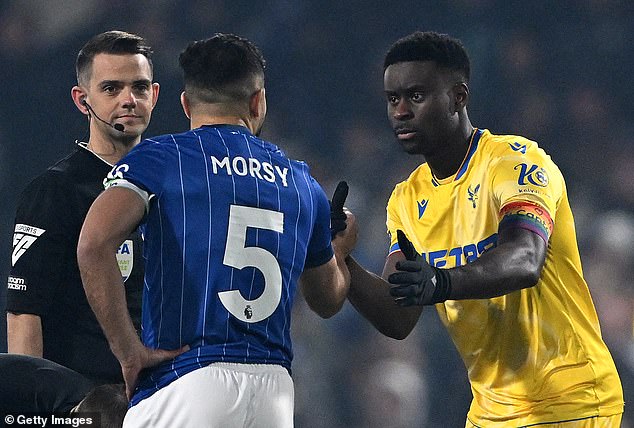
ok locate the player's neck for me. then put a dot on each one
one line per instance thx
(199, 120)
(448, 160)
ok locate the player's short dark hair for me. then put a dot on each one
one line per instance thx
(111, 42)
(223, 68)
(444, 50)
(109, 401)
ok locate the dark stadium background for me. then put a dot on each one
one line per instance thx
(556, 72)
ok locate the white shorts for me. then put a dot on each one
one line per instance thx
(221, 395)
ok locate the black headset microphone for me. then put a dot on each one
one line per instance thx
(117, 126)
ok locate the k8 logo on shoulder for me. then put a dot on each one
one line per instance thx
(23, 237)
(534, 175)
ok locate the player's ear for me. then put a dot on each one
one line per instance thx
(185, 104)
(461, 95)
(257, 104)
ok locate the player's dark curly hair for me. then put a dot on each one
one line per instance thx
(222, 68)
(110, 42)
(442, 49)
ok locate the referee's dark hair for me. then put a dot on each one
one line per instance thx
(109, 401)
(111, 42)
(446, 51)
(224, 68)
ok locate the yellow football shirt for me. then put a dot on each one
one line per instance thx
(533, 355)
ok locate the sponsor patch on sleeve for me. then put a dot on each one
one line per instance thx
(527, 216)
(16, 283)
(23, 237)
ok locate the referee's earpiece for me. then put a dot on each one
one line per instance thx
(84, 103)
(117, 126)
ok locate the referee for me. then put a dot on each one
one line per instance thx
(47, 312)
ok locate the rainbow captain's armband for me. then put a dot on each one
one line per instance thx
(527, 216)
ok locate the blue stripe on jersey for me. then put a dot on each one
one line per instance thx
(211, 226)
(472, 149)
(277, 252)
(233, 185)
(184, 241)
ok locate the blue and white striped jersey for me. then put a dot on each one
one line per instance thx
(230, 226)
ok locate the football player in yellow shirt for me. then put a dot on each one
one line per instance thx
(483, 230)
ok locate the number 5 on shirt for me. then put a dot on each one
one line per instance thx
(239, 256)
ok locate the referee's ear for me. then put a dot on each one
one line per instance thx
(78, 94)
(185, 105)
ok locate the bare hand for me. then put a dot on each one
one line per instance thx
(143, 358)
(345, 241)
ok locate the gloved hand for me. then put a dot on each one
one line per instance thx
(337, 216)
(417, 282)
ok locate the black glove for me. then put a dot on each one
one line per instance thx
(337, 216)
(417, 282)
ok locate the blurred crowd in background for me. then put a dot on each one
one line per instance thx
(553, 71)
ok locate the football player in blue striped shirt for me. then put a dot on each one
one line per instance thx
(231, 227)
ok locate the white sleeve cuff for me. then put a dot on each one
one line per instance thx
(128, 185)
